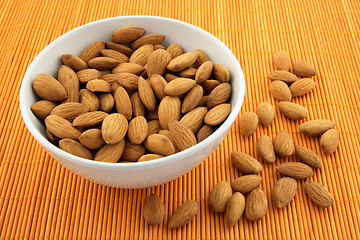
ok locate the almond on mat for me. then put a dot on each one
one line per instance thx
(265, 149)
(284, 191)
(293, 111)
(316, 127)
(285, 76)
(318, 194)
(246, 183)
(308, 157)
(281, 60)
(219, 196)
(245, 163)
(284, 144)
(295, 170)
(248, 123)
(154, 210)
(302, 87)
(329, 141)
(266, 113)
(256, 205)
(235, 209)
(303, 69)
(184, 214)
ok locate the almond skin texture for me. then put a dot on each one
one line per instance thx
(284, 144)
(235, 209)
(293, 111)
(329, 141)
(127, 34)
(106, 102)
(89, 99)
(61, 127)
(89, 119)
(281, 75)
(132, 152)
(203, 101)
(110, 152)
(114, 128)
(98, 85)
(128, 80)
(141, 55)
(148, 39)
(120, 48)
(192, 99)
(153, 127)
(295, 170)
(204, 132)
(128, 68)
(308, 157)
(48, 88)
(316, 127)
(157, 62)
(280, 91)
(256, 205)
(51, 137)
(194, 119)
(303, 69)
(179, 86)
(169, 108)
(266, 113)
(204, 72)
(92, 138)
(183, 214)
(202, 57)
(217, 114)
(74, 62)
(159, 144)
(175, 50)
(183, 61)
(318, 194)
(221, 73)
(265, 149)
(248, 123)
(75, 148)
(88, 74)
(245, 163)
(209, 85)
(121, 58)
(43, 108)
(147, 95)
(219, 196)
(182, 135)
(103, 63)
(138, 108)
(302, 87)
(69, 80)
(94, 50)
(219, 95)
(123, 103)
(281, 60)
(154, 210)
(69, 110)
(138, 129)
(246, 183)
(284, 191)
(149, 157)
(158, 84)
(188, 73)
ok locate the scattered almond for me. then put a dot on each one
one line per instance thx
(293, 111)
(316, 127)
(308, 157)
(280, 91)
(284, 191)
(329, 141)
(248, 123)
(281, 75)
(295, 170)
(281, 60)
(266, 113)
(154, 210)
(303, 69)
(245, 163)
(219, 196)
(184, 214)
(235, 209)
(265, 149)
(284, 144)
(318, 194)
(246, 183)
(256, 205)
(302, 87)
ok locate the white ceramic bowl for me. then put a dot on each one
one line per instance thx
(142, 174)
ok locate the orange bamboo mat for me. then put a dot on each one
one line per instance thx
(41, 199)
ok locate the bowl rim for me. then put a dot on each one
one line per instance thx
(132, 165)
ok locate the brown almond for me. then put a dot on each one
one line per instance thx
(141, 55)
(127, 34)
(169, 108)
(316, 127)
(75, 148)
(204, 72)
(158, 84)
(153, 127)
(159, 144)
(183, 61)
(265, 149)
(293, 111)
(89, 99)
(194, 119)
(48, 88)
(158, 46)
(203, 101)
(280, 91)
(69, 110)
(209, 85)
(92, 138)
(192, 99)
(318, 194)
(118, 56)
(266, 113)
(74, 62)
(123, 102)
(88, 74)
(303, 69)
(89, 119)
(219, 196)
(103, 63)
(106, 102)
(284, 144)
(61, 127)
(43, 108)
(248, 123)
(157, 62)
(185, 138)
(281, 60)
(138, 129)
(295, 170)
(93, 51)
(235, 209)
(152, 39)
(51, 137)
(184, 214)
(110, 152)
(218, 95)
(204, 132)
(284, 76)
(217, 114)
(246, 183)
(168, 134)
(132, 152)
(256, 205)
(98, 85)
(69, 80)
(105, 72)
(128, 68)
(147, 95)
(302, 87)
(149, 157)
(221, 73)
(154, 210)
(188, 73)
(308, 157)
(175, 50)
(129, 81)
(202, 57)
(245, 163)
(179, 86)
(138, 108)
(329, 141)
(169, 77)
(120, 48)
(284, 191)
(114, 128)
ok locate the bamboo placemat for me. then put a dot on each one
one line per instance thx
(41, 199)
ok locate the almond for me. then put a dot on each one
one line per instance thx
(295, 170)
(284, 191)
(209, 85)
(219, 95)
(158, 84)
(281, 60)
(175, 50)
(94, 50)
(192, 99)
(248, 123)
(132, 152)
(123, 103)
(154, 210)
(202, 57)
(318, 194)
(169, 77)
(111, 78)
(157, 62)
(179, 86)
(138, 129)
(152, 39)
(110, 152)
(246, 183)
(69, 110)
(42, 108)
(141, 55)
(129, 81)
(316, 127)
(217, 114)
(183, 214)
(103, 63)
(114, 128)
(266, 113)
(265, 149)
(69, 80)
(329, 141)
(183, 137)
(106, 102)
(118, 56)
(303, 69)
(74, 148)
(159, 144)
(153, 127)
(127, 34)
(98, 85)
(221, 73)
(203, 101)
(302, 87)
(293, 111)
(61, 127)
(169, 108)
(89, 99)
(235, 209)
(147, 95)
(280, 91)
(308, 157)
(256, 205)
(188, 73)
(281, 75)
(88, 74)
(168, 134)
(89, 119)
(204, 132)
(194, 119)
(74, 62)
(92, 138)
(183, 61)
(120, 48)
(114, 87)
(219, 196)
(158, 46)
(245, 163)
(48, 88)
(128, 68)
(149, 157)
(51, 137)
(137, 106)
(204, 72)
(284, 144)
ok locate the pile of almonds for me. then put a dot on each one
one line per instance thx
(131, 99)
